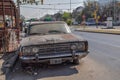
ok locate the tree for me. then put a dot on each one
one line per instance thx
(23, 2)
(58, 16)
(88, 11)
(77, 14)
(66, 16)
(111, 9)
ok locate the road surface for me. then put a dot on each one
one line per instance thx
(103, 62)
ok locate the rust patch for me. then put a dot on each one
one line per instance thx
(69, 36)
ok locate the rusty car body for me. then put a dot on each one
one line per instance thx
(9, 26)
(54, 45)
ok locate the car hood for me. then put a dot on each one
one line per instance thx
(47, 39)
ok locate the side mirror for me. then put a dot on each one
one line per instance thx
(22, 35)
(25, 29)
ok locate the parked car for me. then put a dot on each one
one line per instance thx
(52, 43)
(102, 23)
(90, 22)
(116, 23)
(75, 23)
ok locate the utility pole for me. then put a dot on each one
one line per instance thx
(70, 13)
(109, 10)
(18, 7)
(70, 6)
(114, 10)
(96, 15)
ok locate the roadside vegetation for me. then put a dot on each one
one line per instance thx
(91, 9)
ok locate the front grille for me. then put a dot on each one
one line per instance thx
(54, 48)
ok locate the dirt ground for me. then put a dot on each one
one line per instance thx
(87, 70)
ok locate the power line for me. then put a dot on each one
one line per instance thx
(53, 4)
(64, 3)
(59, 3)
(44, 8)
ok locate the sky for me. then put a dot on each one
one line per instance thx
(33, 11)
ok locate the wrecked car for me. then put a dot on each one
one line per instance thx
(52, 43)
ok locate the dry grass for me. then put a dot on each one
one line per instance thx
(99, 30)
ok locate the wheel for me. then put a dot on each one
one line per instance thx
(76, 61)
(24, 65)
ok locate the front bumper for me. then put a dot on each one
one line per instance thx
(67, 56)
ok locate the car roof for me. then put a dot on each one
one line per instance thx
(46, 22)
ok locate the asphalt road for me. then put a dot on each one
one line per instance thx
(103, 62)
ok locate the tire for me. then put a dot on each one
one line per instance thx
(76, 61)
(24, 65)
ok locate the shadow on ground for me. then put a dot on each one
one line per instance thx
(65, 69)
(57, 70)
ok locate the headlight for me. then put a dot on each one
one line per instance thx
(73, 47)
(26, 50)
(81, 46)
(78, 46)
(35, 50)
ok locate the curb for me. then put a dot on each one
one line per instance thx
(100, 31)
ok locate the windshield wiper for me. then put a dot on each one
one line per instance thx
(55, 31)
(36, 34)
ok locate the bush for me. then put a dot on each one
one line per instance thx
(69, 21)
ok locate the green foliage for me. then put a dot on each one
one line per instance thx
(90, 7)
(66, 16)
(69, 21)
(88, 11)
